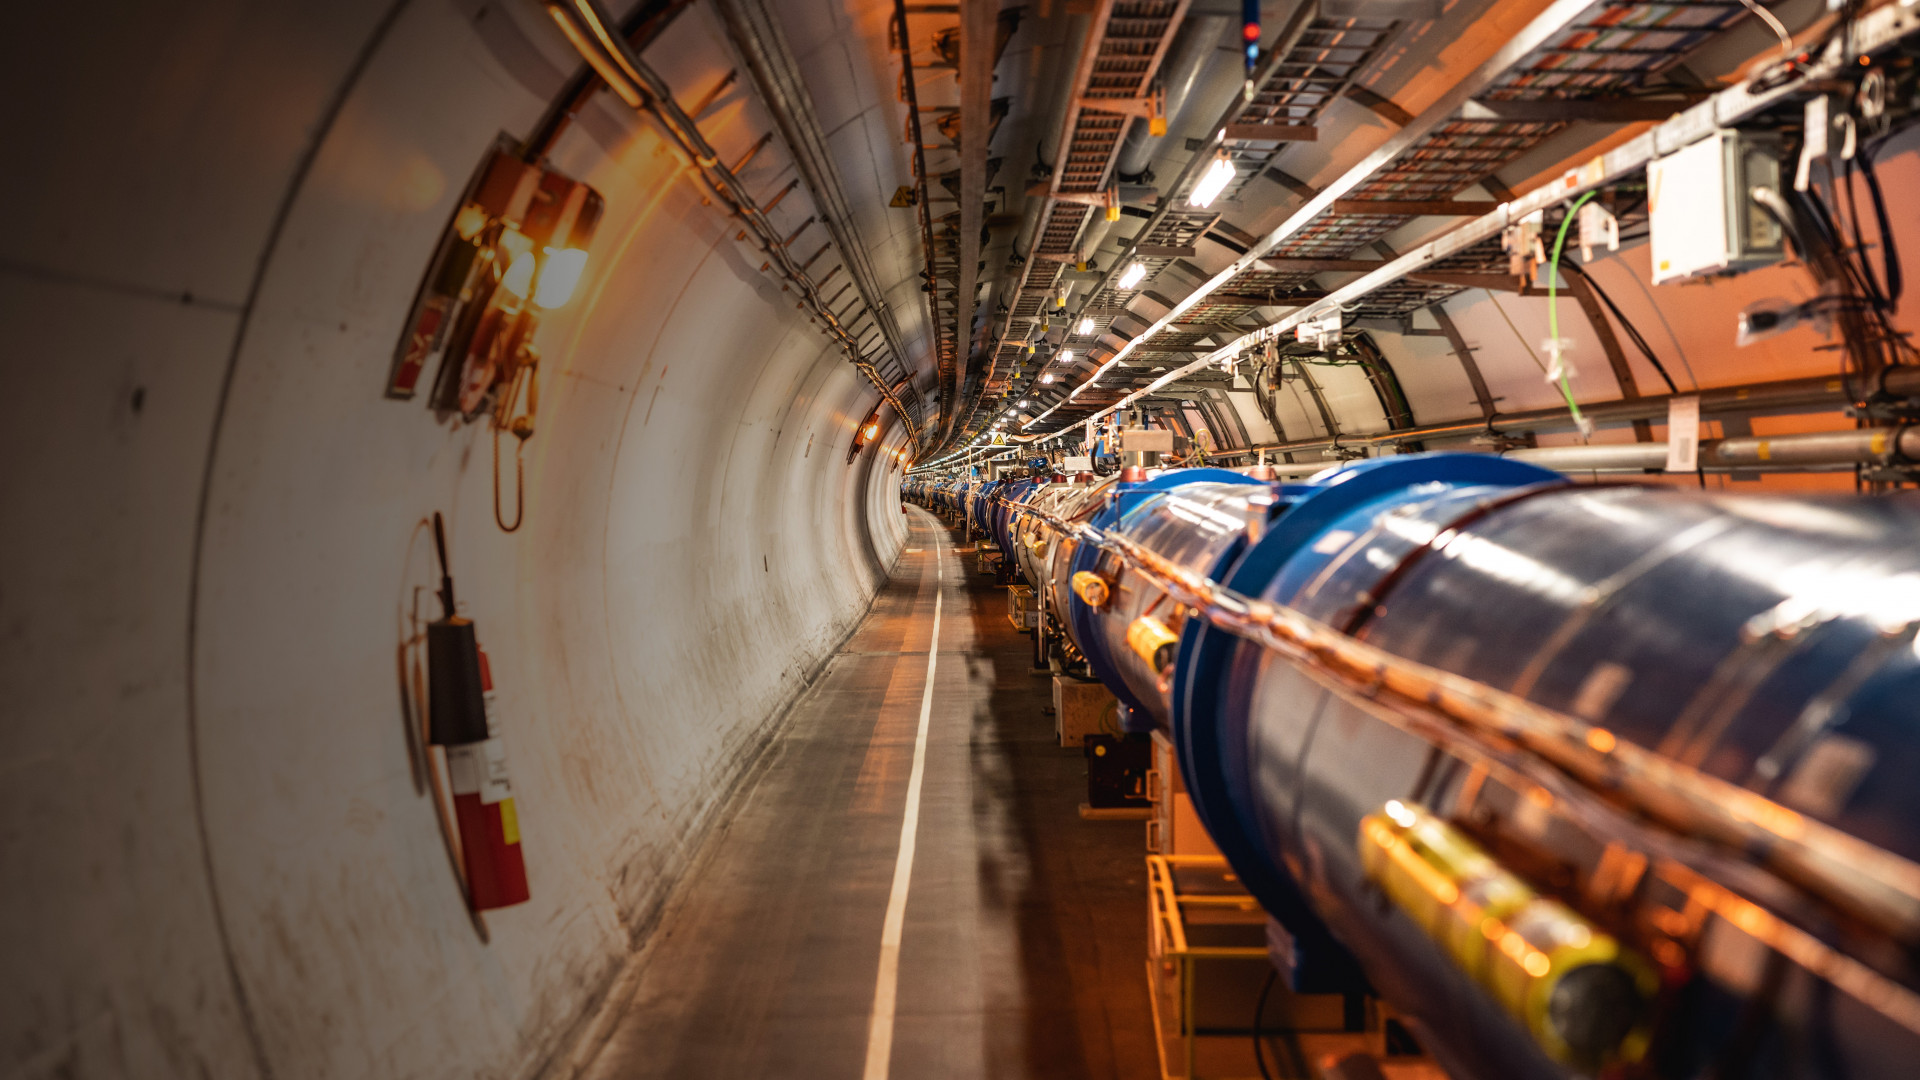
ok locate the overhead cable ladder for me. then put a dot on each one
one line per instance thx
(1578, 60)
(590, 32)
(1873, 34)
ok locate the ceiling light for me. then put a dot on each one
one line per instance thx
(1213, 183)
(1047, 378)
(1024, 404)
(1133, 275)
(872, 429)
(1086, 324)
(1066, 356)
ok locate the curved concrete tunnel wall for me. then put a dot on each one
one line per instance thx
(221, 861)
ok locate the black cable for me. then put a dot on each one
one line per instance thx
(1862, 321)
(1858, 252)
(1633, 332)
(1259, 1010)
(1862, 314)
(1889, 255)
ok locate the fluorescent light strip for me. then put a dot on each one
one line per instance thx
(1217, 177)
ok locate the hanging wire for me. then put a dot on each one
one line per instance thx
(1553, 312)
(1779, 28)
(1633, 332)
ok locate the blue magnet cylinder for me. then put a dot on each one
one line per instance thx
(1766, 644)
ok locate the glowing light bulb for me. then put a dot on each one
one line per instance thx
(872, 429)
(1086, 325)
(470, 221)
(560, 276)
(1024, 404)
(519, 276)
(1213, 183)
(1047, 378)
(1066, 356)
(1133, 275)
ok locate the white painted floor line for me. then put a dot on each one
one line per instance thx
(887, 986)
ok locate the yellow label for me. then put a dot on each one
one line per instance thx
(509, 822)
(1766, 450)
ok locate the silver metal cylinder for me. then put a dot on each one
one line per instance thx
(1812, 450)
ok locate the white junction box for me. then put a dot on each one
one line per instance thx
(1151, 440)
(1700, 211)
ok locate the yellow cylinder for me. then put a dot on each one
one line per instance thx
(1580, 994)
(1091, 587)
(1152, 641)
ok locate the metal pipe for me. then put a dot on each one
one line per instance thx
(1820, 394)
(1296, 27)
(588, 24)
(944, 360)
(776, 76)
(1198, 39)
(1781, 452)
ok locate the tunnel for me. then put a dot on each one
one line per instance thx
(563, 539)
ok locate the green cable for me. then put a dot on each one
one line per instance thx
(1553, 307)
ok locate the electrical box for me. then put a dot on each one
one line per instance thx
(1148, 440)
(1700, 210)
(1082, 707)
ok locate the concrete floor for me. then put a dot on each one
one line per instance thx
(1023, 951)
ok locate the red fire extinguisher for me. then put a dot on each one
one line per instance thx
(461, 719)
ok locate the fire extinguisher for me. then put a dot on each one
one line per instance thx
(461, 720)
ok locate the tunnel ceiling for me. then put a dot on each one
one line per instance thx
(1014, 218)
(1063, 263)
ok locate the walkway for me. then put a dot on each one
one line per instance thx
(1022, 949)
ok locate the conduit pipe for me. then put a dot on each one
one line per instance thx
(757, 35)
(1819, 394)
(1199, 38)
(1865, 446)
(1779, 453)
(586, 24)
